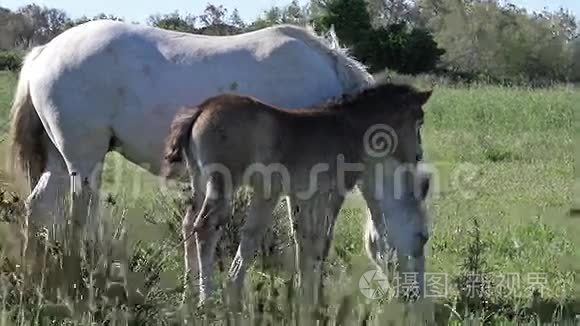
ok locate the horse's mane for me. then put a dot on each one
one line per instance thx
(384, 88)
(351, 72)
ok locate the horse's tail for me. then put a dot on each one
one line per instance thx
(177, 143)
(352, 74)
(27, 153)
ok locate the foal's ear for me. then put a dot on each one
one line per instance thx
(418, 99)
(422, 97)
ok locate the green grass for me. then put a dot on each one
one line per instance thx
(576, 202)
(7, 86)
(504, 161)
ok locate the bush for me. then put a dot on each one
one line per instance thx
(399, 47)
(10, 60)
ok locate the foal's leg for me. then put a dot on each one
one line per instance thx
(191, 268)
(310, 231)
(312, 228)
(208, 229)
(257, 222)
(291, 206)
(331, 208)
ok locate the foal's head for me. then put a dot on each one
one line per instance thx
(392, 115)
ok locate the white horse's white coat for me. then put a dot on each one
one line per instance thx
(105, 82)
(128, 81)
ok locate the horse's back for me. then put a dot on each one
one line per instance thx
(120, 79)
(245, 63)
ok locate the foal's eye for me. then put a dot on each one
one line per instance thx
(419, 124)
(418, 127)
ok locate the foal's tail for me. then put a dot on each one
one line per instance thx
(27, 152)
(177, 143)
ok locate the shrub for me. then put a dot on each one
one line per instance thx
(399, 47)
(10, 60)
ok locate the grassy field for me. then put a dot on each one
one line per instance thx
(503, 209)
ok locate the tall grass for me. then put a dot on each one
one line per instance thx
(504, 159)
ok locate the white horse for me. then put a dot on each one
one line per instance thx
(105, 86)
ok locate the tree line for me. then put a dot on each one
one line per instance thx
(467, 39)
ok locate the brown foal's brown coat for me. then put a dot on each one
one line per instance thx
(238, 132)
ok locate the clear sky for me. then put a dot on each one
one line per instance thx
(139, 10)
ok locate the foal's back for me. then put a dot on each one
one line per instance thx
(236, 131)
(239, 132)
(245, 130)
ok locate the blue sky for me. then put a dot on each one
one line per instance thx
(139, 10)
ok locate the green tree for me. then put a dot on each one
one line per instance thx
(213, 15)
(290, 14)
(15, 29)
(388, 12)
(235, 19)
(173, 21)
(483, 37)
(294, 14)
(397, 46)
(213, 22)
(575, 69)
(350, 19)
(102, 16)
(45, 22)
(85, 19)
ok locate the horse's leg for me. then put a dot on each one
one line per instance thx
(310, 230)
(45, 203)
(290, 202)
(84, 196)
(45, 206)
(85, 183)
(83, 150)
(191, 268)
(329, 212)
(257, 222)
(312, 224)
(208, 229)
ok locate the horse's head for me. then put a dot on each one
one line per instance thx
(394, 143)
(393, 117)
(408, 128)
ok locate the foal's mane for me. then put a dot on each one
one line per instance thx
(388, 90)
